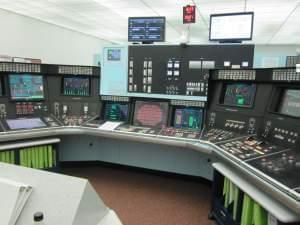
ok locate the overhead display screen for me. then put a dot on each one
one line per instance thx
(234, 26)
(150, 114)
(116, 111)
(290, 103)
(26, 87)
(30, 123)
(146, 29)
(188, 118)
(76, 86)
(239, 94)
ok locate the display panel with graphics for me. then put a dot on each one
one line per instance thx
(150, 114)
(233, 26)
(26, 87)
(188, 118)
(290, 103)
(115, 111)
(146, 29)
(239, 95)
(76, 86)
(28, 123)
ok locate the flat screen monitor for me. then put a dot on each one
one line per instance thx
(76, 86)
(146, 29)
(150, 114)
(239, 95)
(115, 111)
(113, 54)
(231, 26)
(290, 103)
(26, 87)
(29, 123)
(188, 118)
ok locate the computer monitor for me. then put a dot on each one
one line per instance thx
(238, 94)
(188, 118)
(76, 86)
(114, 54)
(116, 111)
(290, 103)
(26, 87)
(150, 114)
(28, 123)
(231, 26)
(146, 29)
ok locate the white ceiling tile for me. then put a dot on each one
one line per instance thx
(108, 18)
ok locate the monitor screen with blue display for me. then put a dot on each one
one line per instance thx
(146, 29)
(188, 118)
(26, 87)
(115, 111)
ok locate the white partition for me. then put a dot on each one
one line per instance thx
(64, 200)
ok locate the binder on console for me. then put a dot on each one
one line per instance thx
(14, 196)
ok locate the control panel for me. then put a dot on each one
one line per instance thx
(250, 147)
(236, 109)
(40, 96)
(173, 70)
(74, 96)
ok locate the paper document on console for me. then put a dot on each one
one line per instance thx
(109, 125)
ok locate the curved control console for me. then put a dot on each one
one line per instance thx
(250, 121)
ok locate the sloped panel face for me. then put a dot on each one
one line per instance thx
(91, 208)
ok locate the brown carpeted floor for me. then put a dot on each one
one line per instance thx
(149, 199)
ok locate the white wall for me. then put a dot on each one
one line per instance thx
(25, 37)
(273, 55)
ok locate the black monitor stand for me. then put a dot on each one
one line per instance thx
(230, 42)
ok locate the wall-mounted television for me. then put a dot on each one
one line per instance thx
(146, 29)
(231, 26)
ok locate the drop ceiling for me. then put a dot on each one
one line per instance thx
(275, 21)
